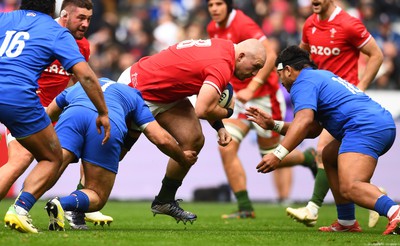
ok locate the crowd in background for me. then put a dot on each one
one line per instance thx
(123, 31)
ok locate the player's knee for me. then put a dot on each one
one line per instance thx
(236, 133)
(347, 190)
(17, 165)
(267, 150)
(196, 142)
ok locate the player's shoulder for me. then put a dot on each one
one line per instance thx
(346, 20)
(241, 17)
(311, 20)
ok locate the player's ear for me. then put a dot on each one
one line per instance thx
(63, 13)
(241, 56)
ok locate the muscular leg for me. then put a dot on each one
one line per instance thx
(349, 176)
(46, 149)
(233, 167)
(308, 215)
(321, 185)
(98, 185)
(182, 123)
(283, 178)
(19, 160)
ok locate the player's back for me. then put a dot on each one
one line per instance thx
(340, 105)
(181, 70)
(122, 101)
(27, 47)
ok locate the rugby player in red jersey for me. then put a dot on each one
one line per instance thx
(167, 79)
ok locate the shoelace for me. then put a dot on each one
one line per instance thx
(175, 209)
(29, 220)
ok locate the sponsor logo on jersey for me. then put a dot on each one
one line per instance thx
(54, 68)
(313, 30)
(365, 32)
(324, 51)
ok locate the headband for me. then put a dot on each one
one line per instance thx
(292, 61)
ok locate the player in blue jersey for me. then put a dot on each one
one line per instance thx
(29, 41)
(77, 131)
(362, 129)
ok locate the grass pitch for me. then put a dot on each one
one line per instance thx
(134, 224)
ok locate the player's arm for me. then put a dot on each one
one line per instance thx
(375, 59)
(72, 81)
(53, 111)
(129, 140)
(207, 105)
(168, 145)
(91, 85)
(265, 120)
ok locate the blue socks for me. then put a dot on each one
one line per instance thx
(25, 200)
(76, 201)
(346, 211)
(383, 204)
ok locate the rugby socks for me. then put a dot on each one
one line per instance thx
(25, 200)
(168, 189)
(321, 187)
(243, 200)
(346, 214)
(308, 158)
(76, 201)
(383, 205)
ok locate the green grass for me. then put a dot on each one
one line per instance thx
(134, 224)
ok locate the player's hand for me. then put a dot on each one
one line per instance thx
(103, 121)
(245, 95)
(268, 163)
(190, 157)
(224, 138)
(260, 117)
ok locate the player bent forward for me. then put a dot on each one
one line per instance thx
(79, 139)
(363, 131)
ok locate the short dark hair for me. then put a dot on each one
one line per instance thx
(44, 6)
(295, 57)
(87, 4)
(229, 3)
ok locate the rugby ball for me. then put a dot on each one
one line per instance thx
(226, 96)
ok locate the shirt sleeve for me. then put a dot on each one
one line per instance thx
(61, 99)
(304, 96)
(357, 33)
(66, 50)
(218, 75)
(141, 116)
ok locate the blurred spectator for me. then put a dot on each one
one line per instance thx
(135, 28)
(9, 5)
(166, 33)
(389, 42)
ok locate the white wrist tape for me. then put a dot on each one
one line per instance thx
(278, 126)
(258, 80)
(281, 152)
